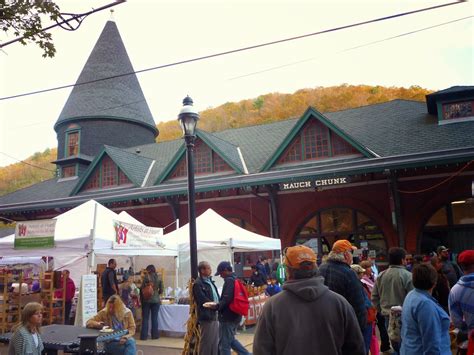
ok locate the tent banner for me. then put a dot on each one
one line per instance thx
(134, 236)
(35, 234)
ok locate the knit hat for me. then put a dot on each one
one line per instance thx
(342, 246)
(294, 256)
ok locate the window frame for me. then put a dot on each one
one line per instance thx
(99, 169)
(69, 166)
(304, 141)
(68, 133)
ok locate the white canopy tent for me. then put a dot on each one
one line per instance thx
(73, 242)
(217, 240)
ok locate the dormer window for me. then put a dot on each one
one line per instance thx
(72, 143)
(458, 110)
(68, 171)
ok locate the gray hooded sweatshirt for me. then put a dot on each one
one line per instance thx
(307, 318)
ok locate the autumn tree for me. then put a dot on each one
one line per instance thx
(22, 18)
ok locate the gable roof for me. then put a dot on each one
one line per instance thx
(399, 131)
(226, 150)
(229, 152)
(312, 113)
(401, 127)
(258, 142)
(133, 165)
(118, 98)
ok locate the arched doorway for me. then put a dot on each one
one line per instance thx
(323, 228)
(452, 225)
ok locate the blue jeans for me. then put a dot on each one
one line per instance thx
(148, 308)
(114, 347)
(227, 339)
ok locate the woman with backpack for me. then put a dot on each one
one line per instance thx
(152, 288)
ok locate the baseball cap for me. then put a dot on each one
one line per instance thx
(441, 248)
(342, 246)
(358, 269)
(466, 257)
(294, 256)
(223, 266)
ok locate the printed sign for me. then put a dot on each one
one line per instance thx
(35, 234)
(87, 302)
(319, 183)
(134, 236)
(255, 308)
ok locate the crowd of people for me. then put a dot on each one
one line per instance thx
(333, 308)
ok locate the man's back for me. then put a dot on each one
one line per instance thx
(391, 288)
(306, 317)
(461, 302)
(340, 278)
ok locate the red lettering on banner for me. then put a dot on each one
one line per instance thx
(255, 308)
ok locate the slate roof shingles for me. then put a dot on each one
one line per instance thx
(120, 97)
(398, 127)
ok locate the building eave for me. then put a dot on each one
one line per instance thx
(212, 183)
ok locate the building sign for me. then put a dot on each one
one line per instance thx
(134, 236)
(35, 234)
(308, 184)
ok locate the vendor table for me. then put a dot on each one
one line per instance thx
(173, 318)
(66, 337)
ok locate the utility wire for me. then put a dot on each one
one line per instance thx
(334, 29)
(24, 162)
(349, 49)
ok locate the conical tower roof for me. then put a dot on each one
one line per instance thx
(119, 98)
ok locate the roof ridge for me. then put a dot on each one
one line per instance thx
(219, 138)
(371, 105)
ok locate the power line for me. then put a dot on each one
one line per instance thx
(334, 29)
(76, 17)
(289, 64)
(24, 162)
(349, 49)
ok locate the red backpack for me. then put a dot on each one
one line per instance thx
(240, 303)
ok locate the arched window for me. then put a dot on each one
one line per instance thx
(326, 226)
(451, 225)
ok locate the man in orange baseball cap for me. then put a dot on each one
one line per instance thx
(343, 245)
(326, 322)
(340, 278)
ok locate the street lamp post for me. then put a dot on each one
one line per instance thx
(188, 118)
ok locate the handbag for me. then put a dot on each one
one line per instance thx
(147, 292)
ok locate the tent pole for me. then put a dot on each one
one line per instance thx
(91, 256)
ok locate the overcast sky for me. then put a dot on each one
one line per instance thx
(157, 32)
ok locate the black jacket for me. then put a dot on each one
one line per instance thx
(340, 278)
(108, 278)
(203, 293)
(258, 280)
(227, 296)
